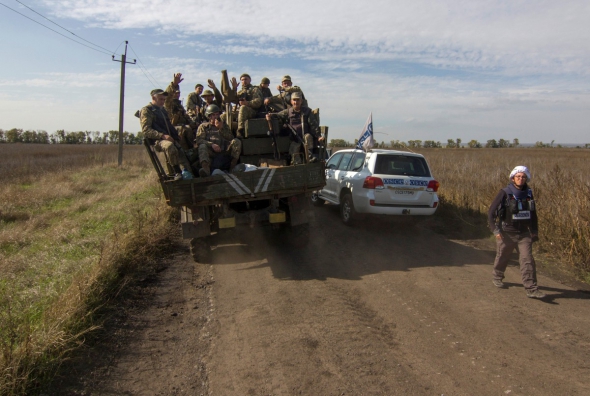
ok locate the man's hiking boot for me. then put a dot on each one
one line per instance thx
(205, 170)
(498, 283)
(535, 294)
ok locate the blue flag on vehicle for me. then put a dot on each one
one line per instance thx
(366, 141)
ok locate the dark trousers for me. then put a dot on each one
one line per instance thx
(505, 247)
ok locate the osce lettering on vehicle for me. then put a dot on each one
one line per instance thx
(522, 215)
(406, 182)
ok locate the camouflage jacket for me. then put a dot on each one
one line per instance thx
(208, 134)
(218, 101)
(303, 121)
(155, 123)
(193, 100)
(253, 96)
(175, 110)
(286, 95)
(266, 92)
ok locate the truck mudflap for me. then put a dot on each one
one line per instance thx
(299, 209)
(259, 184)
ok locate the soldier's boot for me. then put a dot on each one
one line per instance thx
(205, 170)
(234, 162)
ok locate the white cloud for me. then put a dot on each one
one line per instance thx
(517, 36)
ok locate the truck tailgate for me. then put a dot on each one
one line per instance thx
(259, 184)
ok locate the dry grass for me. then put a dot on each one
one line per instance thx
(470, 179)
(72, 231)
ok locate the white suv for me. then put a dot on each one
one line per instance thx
(381, 182)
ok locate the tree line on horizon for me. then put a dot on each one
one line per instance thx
(17, 135)
(451, 143)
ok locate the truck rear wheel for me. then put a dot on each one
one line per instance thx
(200, 250)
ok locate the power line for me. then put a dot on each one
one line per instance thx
(55, 23)
(118, 47)
(146, 69)
(55, 31)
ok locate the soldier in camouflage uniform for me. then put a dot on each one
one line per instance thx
(304, 123)
(214, 138)
(250, 99)
(264, 83)
(194, 102)
(179, 117)
(282, 101)
(156, 126)
(210, 97)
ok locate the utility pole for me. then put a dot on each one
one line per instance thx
(122, 99)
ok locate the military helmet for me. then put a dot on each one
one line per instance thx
(286, 78)
(265, 80)
(207, 92)
(212, 109)
(245, 75)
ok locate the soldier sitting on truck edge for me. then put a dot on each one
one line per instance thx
(282, 101)
(156, 126)
(301, 119)
(250, 99)
(215, 141)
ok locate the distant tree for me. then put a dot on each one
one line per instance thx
(541, 145)
(431, 144)
(113, 137)
(13, 135)
(458, 142)
(553, 141)
(414, 143)
(492, 143)
(515, 142)
(2, 136)
(474, 144)
(451, 143)
(587, 145)
(503, 143)
(339, 143)
(396, 144)
(60, 135)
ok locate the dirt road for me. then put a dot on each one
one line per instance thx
(361, 311)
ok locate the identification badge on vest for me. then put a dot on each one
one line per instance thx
(522, 215)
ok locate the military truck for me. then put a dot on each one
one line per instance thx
(274, 195)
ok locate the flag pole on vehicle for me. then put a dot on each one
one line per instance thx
(366, 141)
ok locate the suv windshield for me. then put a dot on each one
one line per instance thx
(401, 165)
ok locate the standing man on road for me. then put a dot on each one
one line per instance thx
(513, 220)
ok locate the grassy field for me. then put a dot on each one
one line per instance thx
(470, 179)
(74, 228)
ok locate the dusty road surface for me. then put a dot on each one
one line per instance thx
(369, 310)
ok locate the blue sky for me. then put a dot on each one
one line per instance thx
(428, 70)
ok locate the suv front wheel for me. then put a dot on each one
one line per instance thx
(347, 212)
(316, 200)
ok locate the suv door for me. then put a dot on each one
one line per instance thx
(340, 173)
(331, 166)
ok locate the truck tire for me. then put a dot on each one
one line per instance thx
(316, 200)
(347, 212)
(200, 250)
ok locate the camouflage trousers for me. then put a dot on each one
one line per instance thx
(173, 156)
(295, 149)
(245, 114)
(206, 152)
(187, 137)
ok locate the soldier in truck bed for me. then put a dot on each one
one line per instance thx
(156, 126)
(194, 102)
(264, 89)
(215, 141)
(210, 97)
(250, 99)
(301, 119)
(282, 101)
(179, 118)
